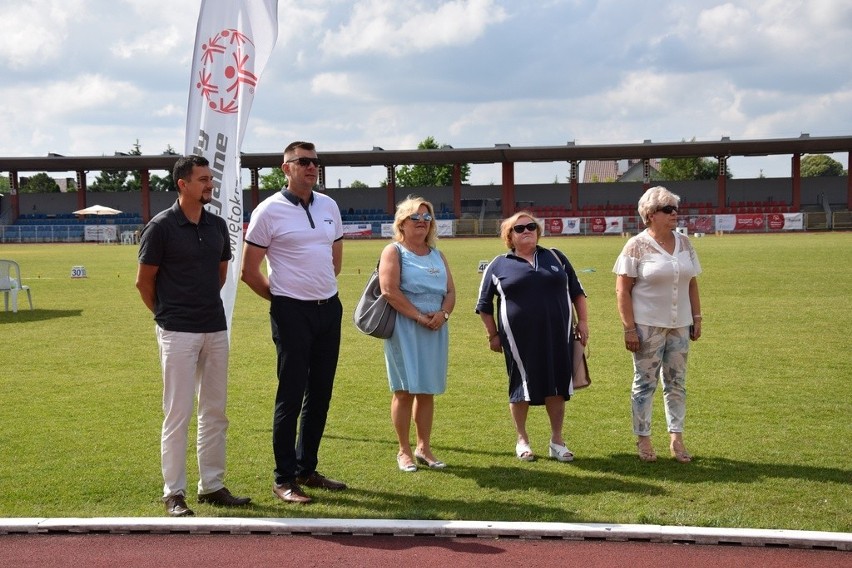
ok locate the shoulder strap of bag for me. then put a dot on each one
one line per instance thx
(570, 304)
(556, 256)
(399, 252)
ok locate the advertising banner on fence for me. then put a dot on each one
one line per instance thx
(726, 223)
(607, 225)
(359, 230)
(750, 222)
(562, 226)
(759, 222)
(786, 221)
(700, 224)
(101, 233)
(444, 228)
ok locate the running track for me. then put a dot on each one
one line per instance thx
(231, 542)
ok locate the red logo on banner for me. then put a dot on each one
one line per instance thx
(227, 65)
(554, 226)
(776, 222)
(749, 221)
(598, 224)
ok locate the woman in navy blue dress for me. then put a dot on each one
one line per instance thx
(534, 288)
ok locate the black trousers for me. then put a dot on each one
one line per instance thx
(307, 339)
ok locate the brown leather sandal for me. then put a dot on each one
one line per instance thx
(646, 451)
(679, 452)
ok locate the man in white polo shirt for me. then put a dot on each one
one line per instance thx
(300, 233)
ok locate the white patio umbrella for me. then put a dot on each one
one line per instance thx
(97, 210)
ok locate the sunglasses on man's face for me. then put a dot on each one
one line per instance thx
(418, 217)
(668, 209)
(305, 162)
(528, 227)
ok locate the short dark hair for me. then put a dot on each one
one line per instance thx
(183, 167)
(299, 144)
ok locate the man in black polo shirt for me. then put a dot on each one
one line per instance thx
(183, 262)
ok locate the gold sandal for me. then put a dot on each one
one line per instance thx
(646, 453)
(679, 452)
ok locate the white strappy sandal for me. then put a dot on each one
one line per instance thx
(561, 453)
(524, 452)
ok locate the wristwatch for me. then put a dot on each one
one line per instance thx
(446, 315)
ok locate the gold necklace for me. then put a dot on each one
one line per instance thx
(659, 242)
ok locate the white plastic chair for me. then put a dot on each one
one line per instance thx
(10, 284)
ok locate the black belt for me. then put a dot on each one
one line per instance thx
(308, 302)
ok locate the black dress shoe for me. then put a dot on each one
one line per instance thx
(290, 492)
(223, 498)
(176, 506)
(316, 479)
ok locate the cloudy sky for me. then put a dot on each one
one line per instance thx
(90, 77)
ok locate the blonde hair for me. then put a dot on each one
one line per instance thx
(508, 223)
(407, 207)
(653, 199)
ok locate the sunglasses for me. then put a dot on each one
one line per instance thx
(668, 209)
(305, 162)
(418, 216)
(532, 227)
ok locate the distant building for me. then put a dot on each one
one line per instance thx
(66, 184)
(606, 171)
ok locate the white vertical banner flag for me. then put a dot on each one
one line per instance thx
(233, 42)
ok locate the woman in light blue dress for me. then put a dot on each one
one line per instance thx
(416, 280)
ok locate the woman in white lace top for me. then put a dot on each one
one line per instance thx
(660, 309)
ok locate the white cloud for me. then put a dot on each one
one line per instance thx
(154, 42)
(64, 99)
(339, 85)
(398, 28)
(170, 110)
(35, 31)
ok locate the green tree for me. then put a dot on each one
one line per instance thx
(680, 169)
(358, 184)
(428, 175)
(155, 182)
(820, 165)
(40, 183)
(110, 180)
(5, 184)
(275, 180)
(160, 183)
(135, 181)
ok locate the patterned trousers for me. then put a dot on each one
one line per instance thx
(662, 354)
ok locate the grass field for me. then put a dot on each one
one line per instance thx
(769, 412)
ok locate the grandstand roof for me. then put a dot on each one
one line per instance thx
(804, 144)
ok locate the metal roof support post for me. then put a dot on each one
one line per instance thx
(145, 180)
(457, 190)
(81, 189)
(321, 178)
(722, 182)
(849, 181)
(255, 187)
(575, 186)
(508, 189)
(14, 185)
(796, 174)
(390, 206)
